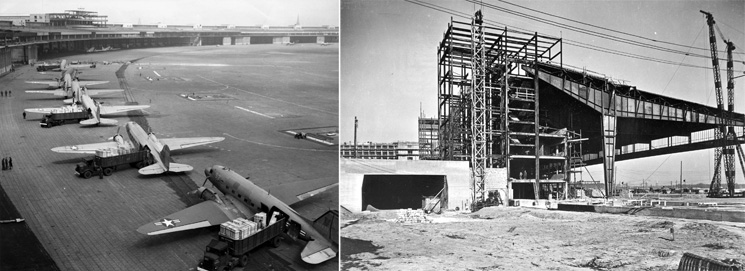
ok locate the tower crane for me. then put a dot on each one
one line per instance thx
(725, 132)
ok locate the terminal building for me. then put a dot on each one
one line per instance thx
(26, 38)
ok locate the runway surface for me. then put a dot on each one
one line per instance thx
(251, 95)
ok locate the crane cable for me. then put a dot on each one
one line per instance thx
(608, 29)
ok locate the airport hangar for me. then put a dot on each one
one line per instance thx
(28, 44)
(492, 146)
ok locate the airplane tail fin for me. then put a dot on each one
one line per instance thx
(175, 167)
(96, 121)
(151, 169)
(157, 169)
(165, 157)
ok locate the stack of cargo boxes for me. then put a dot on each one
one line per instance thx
(238, 229)
(126, 148)
(241, 228)
(411, 216)
(68, 109)
(260, 219)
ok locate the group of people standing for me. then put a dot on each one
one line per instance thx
(7, 163)
(6, 93)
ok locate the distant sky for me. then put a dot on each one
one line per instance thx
(214, 12)
(389, 65)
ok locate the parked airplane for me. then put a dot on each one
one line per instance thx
(103, 49)
(289, 43)
(243, 198)
(159, 148)
(324, 44)
(95, 110)
(77, 88)
(65, 81)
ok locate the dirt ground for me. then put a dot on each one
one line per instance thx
(514, 238)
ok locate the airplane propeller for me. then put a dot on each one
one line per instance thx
(117, 134)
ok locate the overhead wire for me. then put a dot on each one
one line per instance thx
(681, 61)
(591, 32)
(567, 41)
(658, 167)
(608, 29)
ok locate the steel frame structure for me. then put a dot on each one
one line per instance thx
(482, 85)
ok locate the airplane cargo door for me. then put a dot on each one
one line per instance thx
(399, 191)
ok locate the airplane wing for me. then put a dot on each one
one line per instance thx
(183, 143)
(86, 148)
(204, 214)
(90, 83)
(316, 252)
(93, 92)
(57, 92)
(113, 109)
(293, 192)
(46, 82)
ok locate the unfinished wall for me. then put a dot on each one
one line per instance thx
(352, 175)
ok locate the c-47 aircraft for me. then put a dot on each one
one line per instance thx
(159, 148)
(243, 198)
(63, 84)
(95, 109)
(76, 88)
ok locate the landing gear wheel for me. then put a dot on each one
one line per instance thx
(244, 260)
(87, 174)
(107, 171)
(276, 241)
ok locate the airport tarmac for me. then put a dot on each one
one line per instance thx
(263, 91)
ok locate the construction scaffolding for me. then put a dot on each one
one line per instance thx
(488, 108)
(77, 18)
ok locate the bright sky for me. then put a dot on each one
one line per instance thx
(215, 12)
(389, 65)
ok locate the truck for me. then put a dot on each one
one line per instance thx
(59, 118)
(225, 253)
(92, 166)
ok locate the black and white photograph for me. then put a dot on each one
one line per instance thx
(542, 135)
(169, 135)
(372, 135)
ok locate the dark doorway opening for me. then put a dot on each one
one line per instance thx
(522, 191)
(303, 39)
(399, 191)
(261, 40)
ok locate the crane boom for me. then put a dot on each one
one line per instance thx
(725, 132)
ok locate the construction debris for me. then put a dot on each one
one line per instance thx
(412, 216)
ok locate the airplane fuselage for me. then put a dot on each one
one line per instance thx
(139, 136)
(256, 199)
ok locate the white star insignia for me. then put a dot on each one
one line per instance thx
(167, 222)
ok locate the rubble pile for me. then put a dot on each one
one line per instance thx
(412, 216)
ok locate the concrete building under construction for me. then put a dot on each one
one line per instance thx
(526, 123)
